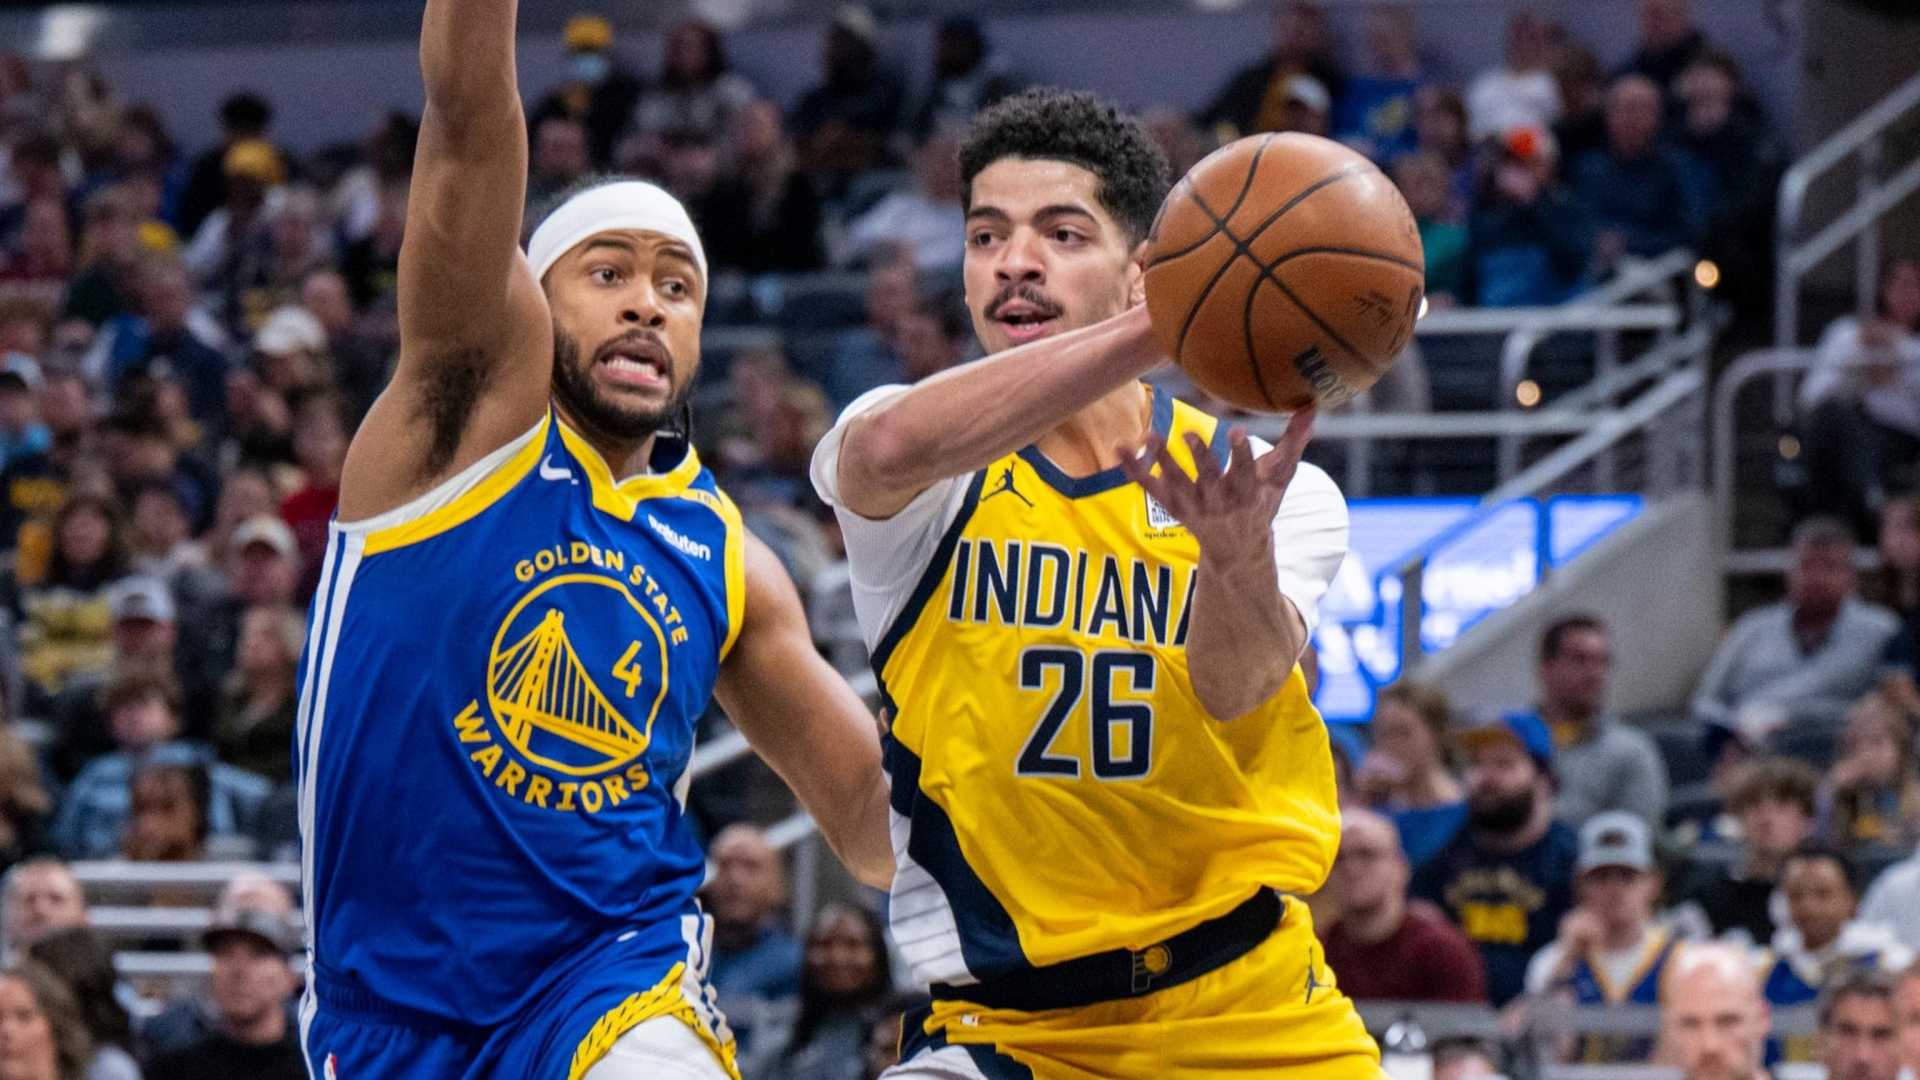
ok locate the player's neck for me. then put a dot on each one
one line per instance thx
(1092, 440)
(624, 457)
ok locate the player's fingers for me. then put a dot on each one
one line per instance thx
(1293, 442)
(1243, 473)
(1206, 467)
(1136, 463)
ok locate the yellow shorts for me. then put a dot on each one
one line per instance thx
(1273, 1012)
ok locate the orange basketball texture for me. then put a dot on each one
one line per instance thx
(1284, 270)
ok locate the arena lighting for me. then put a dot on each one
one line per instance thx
(67, 30)
(1527, 393)
(1423, 309)
(1789, 447)
(1706, 274)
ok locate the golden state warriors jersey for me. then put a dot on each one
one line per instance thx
(496, 712)
(1058, 789)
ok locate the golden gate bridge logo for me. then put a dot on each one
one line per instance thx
(546, 699)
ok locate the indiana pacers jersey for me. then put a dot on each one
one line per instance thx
(497, 708)
(1058, 789)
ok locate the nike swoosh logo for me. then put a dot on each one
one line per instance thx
(549, 472)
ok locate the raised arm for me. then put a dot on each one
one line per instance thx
(476, 339)
(804, 720)
(963, 419)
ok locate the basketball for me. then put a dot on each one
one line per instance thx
(1283, 271)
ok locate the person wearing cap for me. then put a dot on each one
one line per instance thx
(1528, 240)
(599, 93)
(253, 979)
(1713, 1019)
(1609, 950)
(1823, 939)
(243, 116)
(1255, 98)
(1507, 878)
(1603, 764)
(843, 123)
(532, 591)
(249, 896)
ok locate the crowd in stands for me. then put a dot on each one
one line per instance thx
(189, 336)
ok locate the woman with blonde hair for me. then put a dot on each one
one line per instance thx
(1872, 793)
(42, 1034)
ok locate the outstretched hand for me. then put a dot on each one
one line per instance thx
(1230, 511)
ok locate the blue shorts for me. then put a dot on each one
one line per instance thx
(349, 1033)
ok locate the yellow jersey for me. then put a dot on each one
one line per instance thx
(1058, 789)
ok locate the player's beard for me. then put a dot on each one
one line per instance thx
(1499, 813)
(573, 388)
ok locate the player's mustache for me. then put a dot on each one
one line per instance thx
(1029, 294)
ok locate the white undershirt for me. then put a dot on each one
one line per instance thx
(886, 558)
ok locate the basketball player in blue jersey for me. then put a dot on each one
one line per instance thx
(531, 591)
(1085, 602)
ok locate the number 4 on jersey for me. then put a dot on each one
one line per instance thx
(1105, 712)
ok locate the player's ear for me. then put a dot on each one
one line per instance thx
(1137, 276)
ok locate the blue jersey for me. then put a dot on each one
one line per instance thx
(497, 707)
(1590, 986)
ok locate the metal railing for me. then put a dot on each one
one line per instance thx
(1865, 141)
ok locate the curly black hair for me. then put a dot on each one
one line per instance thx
(1080, 129)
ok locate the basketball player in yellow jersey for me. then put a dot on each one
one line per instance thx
(1085, 603)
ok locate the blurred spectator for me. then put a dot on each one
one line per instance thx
(1734, 157)
(43, 1036)
(290, 352)
(167, 814)
(1872, 792)
(141, 447)
(599, 94)
(361, 360)
(83, 960)
(1603, 764)
(1713, 1019)
(1895, 585)
(1383, 945)
(1583, 117)
(844, 123)
(698, 95)
(756, 963)
(1507, 879)
(1817, 650)
(924, 222)
(1668, 42)
(34, 165)
(1257, 98)
(25, 802)
(41, 261)
(253, 980)
(255, 725)
(255, 171)
(386, 165)
(196, 1019)
(778, 478)
(1465, 1058)
(762, 215)
(1608, 950)
(1774, 804)
(1423, 179)
(371, 262)
(292, 241)
(103, 284)
(1308, 107)
(1860, 403)
(965, 78)
(22, 434)
(871, 355)
(39, 897)
(1643, 194)
(64, 618)
(1440, 120)
(1824, 940)
(244, 117)
(320, 436)
(845, 975)
(1907, 997)
(143, 718)
(883, 1033)
(167, 330)
(1407, 775)
(1177, 137)
(1859, 1031)
(1374, 113)
(1520, 91)
(934, 337)
(560, 159)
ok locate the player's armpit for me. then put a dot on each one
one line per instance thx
(475, 334)
(806, 722)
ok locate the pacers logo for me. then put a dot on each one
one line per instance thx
(576, 673)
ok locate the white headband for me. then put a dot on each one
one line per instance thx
(626, 204)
